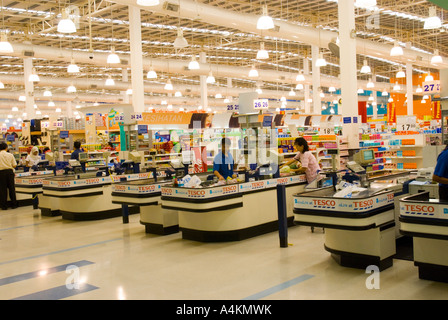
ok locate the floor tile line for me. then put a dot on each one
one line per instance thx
(40, 273)
(57, 293)
(59, 251)
(279, 287)
(18, 227)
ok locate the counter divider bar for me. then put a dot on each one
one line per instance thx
(340, 214)
(76, 188)
(336, 226)
(424, 221)
(154, 203)
(203, 200)
(135, 195)
(90, 194)
(226, 207)
(424, 235)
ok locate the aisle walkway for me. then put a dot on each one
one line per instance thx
(40, 257)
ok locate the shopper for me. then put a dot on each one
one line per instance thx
(33, 158)
(7, 165)
(441, 174)
(305, 160)
(223, 163)
(77, 151)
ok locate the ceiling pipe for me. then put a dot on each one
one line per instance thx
(190, 9)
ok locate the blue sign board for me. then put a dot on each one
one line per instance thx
(142, 129)
(347, 119)
(63, 134)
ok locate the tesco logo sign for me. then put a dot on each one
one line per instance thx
(196, 193)
(419, 208)
(363, 204)
(324, 203)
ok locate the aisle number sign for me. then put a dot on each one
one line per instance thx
(430, 87)
(137, 116)
(406, 123)
(260, 104)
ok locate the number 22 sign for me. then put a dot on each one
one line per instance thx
(431, 86)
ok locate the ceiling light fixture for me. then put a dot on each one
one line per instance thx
(180, 41)
(47, 93)
(2, 86)
(396, 87)
(66, 25)
(365, 3)
(71, 88)
(129, 91)
(265, 22)
(148, 3)
(169, 85)
(151, 74)
(51, 103)
(429, 77)
(299, 86)
(33, 76)
(365, 68)
(300, 77)
(400, 73)
(433, 21)
(436, 58)
(419, 89)
(113, 58)
(210, 79)
(321, 62)
(370, 84)
(396, 51)
(253, 73)
(193, 65)
(384, 93)
(110, 81)
(72, 67)
(262, 53)
(292, 93)
(5, 46)
(360, 91)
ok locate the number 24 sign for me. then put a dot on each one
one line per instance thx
(431, 86)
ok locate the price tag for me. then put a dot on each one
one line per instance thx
(431, 87)
(260, 104)
(406, 123)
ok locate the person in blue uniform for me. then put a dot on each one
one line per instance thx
(441, 174)
(223, 163)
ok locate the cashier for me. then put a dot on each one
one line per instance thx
(441, 174)
(223, 163)
(33, 158)
(77, 151)
(305, 160)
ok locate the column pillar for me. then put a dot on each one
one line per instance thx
(306, 87)
(125, 78)
(317, 103)
(68, 110)
(409, 89)
(203, 82)
(349, 107)
(29, 88)
(135, 33)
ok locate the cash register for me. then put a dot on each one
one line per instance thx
(358, 167)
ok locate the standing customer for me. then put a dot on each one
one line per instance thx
(441, 174)
(7, 166)
(307, 162)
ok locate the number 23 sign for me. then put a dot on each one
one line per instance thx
(431, 86)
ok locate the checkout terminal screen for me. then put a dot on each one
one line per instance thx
(368, 155)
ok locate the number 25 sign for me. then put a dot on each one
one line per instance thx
(431, 86)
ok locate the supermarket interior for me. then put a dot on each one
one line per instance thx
(224, 150)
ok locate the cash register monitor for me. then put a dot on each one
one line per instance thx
(135, 156)
(49, 156)
(83, 156)
(364, 157)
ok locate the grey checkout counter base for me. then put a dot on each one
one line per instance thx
(426, 221)
(359, 231)
(146, 194)
(231, 212)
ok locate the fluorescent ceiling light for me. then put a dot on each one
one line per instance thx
(14, 109)
(299, 86)
(365, 3)
(58, 110)
(397, 87)
(22, 98)
(390, 100)
(178, 94)
(423, 101)
(429, 77)
(180, 41)
(262, 53)
(433, 21)
(71, 89)
(419, 89)
(66, 25)
(113, 58)
(331, 89)
(425, 97)
(51, 104)
(5, 46)
(370, 84)
(193, 65)
(360, 91)
(291, 93)
(365, 68)
(148, 3)
(218, 96)
(47, 93)
(170, 107)
(265, 22)
(384, 93)
(129, 91)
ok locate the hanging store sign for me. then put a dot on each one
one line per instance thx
(165, 118)
(431, 87)
(260, 104)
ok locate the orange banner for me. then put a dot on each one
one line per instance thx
(437, 111)
(165, 118)
(391, 113)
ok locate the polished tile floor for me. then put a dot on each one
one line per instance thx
(41, 257)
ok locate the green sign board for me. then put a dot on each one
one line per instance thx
(441, 3)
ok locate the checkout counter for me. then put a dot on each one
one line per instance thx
(360, 224)
(230, 212)
(28, 186)
(426, 220)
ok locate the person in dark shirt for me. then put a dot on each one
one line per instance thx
(441, 174)
(77, 151)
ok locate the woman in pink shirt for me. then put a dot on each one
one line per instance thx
(308, 163)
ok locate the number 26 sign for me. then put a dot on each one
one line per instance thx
(431, 86)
